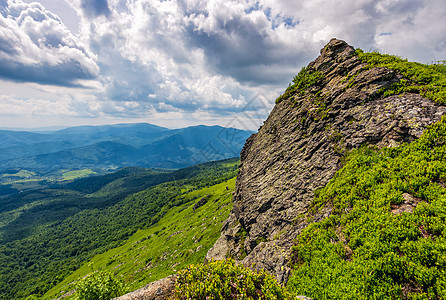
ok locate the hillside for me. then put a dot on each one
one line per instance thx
(340, 195)
(114, 146)
(343, 186)
(166, 247)
(47, 234)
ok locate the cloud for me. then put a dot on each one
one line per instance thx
(94, 8)
(202, 61)
(35, 46)
(410, 28)
(216, 53)
(39, 107)
(162, 54)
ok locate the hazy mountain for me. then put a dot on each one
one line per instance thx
(340, 195)
(112, 146)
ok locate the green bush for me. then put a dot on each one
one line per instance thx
(365, 249)
(426, 80)
(226, 280)
(301, 82)
(99, 286)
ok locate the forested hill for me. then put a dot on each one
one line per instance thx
(47, 234)
(114, 146)
(340, 195)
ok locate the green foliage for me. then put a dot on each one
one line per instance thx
(162, 249)
(47, 234)
(368, 250)
(99, 286)
(426, 80)
(301, 82)
(74, 174)
(226, 280)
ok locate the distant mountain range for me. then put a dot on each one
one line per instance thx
(114, 146)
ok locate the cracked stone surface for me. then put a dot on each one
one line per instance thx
(299, 149)
(158, 290)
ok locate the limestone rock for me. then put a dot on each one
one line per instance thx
(299, 149)
(158, 290)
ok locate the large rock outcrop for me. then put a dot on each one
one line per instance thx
(157, 290)
(300, 146)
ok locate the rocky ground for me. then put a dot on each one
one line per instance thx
(301, 146)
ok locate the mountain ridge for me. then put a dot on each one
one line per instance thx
(111, 146)
(341, 194)
(336, 105)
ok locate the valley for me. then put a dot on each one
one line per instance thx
(30, 160)
(47, 234)
(341, 194)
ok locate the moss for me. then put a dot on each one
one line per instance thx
(426, 80)
(301, 82)
(241, 235)
(260, 240)
(364, 250)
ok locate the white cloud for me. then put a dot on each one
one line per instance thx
(35, 46)
(201, 61)
(34, 107)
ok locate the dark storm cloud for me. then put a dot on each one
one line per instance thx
(95, 8)
(35, 46)
(65, 74)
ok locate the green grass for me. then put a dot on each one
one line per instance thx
(366, 251)
(305, 79)
(180, 238)
(426, 80)
(49, 233)
(71, 175)
(21, 174)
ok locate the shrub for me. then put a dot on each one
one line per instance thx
(365, 249)
(426, 80)
(226, 280)
(99, 286)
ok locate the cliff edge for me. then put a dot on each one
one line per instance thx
(337, 104)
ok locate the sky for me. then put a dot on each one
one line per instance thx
(186, 62)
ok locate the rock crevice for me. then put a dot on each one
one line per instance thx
(300, 146)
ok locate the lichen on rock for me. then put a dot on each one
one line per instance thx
(301, 145)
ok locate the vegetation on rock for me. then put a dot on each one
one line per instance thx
(386, 235)
(427, 80)
(302, 145)
(301, 82)
(365, 185)
(225, 279)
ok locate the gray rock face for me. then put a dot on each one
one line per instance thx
(158, 290)
(299, 149)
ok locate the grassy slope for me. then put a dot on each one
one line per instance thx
(386, 236)
(73, 227)
(427, 80)
(366, 249)
(182, 237)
